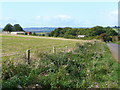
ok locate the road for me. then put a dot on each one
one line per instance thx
(115, 50)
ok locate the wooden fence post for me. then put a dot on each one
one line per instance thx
(53, 49)
(28, 55)
(66, 48)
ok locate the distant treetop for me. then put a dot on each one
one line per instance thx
(11, 28)
(88, 32)
(17, 27)
(8, 27)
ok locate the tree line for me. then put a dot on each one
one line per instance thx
(90, 33)
(11, 28)
(97, 32)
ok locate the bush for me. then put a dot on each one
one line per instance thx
(104, 37)
(69, 36)
(115, 38)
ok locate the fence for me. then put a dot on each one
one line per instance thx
(53, 50)
(30, 54)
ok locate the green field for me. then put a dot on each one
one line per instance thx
(16, 44)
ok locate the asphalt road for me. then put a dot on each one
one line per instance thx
(115, 50)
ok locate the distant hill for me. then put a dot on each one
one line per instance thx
(44, 29)
(39, 29)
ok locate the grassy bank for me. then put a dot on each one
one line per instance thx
(89, 66)
(117, 43)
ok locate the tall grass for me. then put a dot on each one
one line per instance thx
(89, 66)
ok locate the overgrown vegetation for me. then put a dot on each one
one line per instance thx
(88, 66)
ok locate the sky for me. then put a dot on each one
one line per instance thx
(59, 14)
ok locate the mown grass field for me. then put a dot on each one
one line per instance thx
(12, 44)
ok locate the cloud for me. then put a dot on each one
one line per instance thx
(7, 19)
(38, 17)
(113, 15)
(62, 17)
(115, 12)
(60, 20)
(110, 18)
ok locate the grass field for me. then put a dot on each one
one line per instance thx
(16, 44)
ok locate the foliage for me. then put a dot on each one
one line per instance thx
(116, 38)
(11, 28)
(86, 67)
(17, 27)
(33, 33)
(89, 32)
(105, 37)
(8, 27)
(110, 31)
(117, 43)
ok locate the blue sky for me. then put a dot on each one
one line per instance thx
(59, 14)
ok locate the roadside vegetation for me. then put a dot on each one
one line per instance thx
(85, 67)
(117, 42)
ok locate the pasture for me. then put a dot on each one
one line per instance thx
(12, 45)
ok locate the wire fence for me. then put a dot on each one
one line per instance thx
(47, 49)
(32, 54)
(28, 54)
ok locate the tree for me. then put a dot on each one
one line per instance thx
(17, 27)
(34, 33)
(97, 30)
(8, 27)
(67, 32)
(104, 37)
(110, 32)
